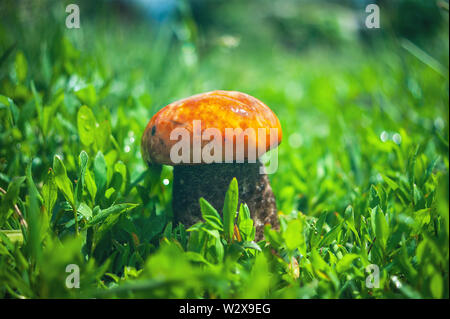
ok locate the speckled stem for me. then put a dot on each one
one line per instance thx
(211, 181)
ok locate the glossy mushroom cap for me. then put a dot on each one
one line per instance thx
(219, 110)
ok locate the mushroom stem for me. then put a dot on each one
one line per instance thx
(211, 181)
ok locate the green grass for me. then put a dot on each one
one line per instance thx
(362, 177)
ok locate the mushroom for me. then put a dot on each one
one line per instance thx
(210, 138)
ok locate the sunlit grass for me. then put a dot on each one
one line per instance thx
(362, 177)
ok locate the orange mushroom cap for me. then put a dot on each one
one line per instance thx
(218, 109)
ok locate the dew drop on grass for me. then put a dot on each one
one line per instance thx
(37, 161)
(165, 181)
(295, 140)
(397, 138)
(439, 123)
(384, 136)
(379, 178)
(396, 282)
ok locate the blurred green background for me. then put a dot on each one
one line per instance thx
(363, 166)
